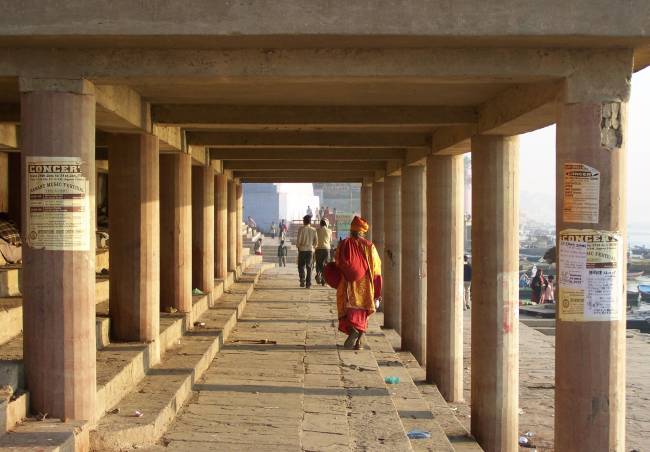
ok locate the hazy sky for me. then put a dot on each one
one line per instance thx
(537, 161)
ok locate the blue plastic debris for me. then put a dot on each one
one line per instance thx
(418, 434)
(391, 380)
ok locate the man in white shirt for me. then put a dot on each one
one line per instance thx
(306, 242)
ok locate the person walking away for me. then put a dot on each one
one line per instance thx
(538, 286)
(324, 234)
(274, 229)
(282, 254)
(306, 241)
(549, 292)
(467, 283)
(257, 247)
(309, 211)
(360, 285)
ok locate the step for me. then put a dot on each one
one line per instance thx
(167, 386)
(444, 415)
(118, 372)
(414, 412)
(12, 411)
(11, 308)
(49, 435)
(10, 275)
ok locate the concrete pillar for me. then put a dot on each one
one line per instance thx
(58, 280)
(392, 262)
(203, 228)
(134, 229)
(240, 219)
(4, 182)
(590, 355)
(495, 291)
(15, 198)
(445, 185)
(377, 223)
(176, 232)
(414, 278)
(366, 205)
(232, 226)
(221, 227)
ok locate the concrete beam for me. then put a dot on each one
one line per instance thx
(453, 65)
(309, 117)
(303, 179)
(313, 140)
(121, 109)
(303, 173)
(519, 109)
(274, 165)
(337, 155)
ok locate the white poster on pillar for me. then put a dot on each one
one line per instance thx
(57, 204)
(591, 275)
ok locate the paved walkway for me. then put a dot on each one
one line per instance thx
(301, 394)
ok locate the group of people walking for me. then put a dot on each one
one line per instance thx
(355, 273)
(313, 245)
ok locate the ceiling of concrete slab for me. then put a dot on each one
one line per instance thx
(348, 92)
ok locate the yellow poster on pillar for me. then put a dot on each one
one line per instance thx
(57, 204)
(590, 275)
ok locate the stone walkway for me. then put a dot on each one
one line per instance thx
(301, 394)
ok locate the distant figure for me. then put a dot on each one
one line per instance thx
(257, 247)
(282, 254)
(549, 292)
(283, 230)
(360, 285)
(251, 223)
(306, 241)
(467, 283)
(309, 211)
(274, 229)
(324, 234)
(538, 286)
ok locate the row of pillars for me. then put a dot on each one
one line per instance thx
(173, 227)
(417, 222)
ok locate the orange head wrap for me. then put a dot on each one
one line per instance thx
(359, 225)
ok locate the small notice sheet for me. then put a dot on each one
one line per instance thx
(58, 216)
(581, 193)
(590, 277)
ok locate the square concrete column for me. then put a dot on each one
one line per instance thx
(240, 219)
(445, 185)
(414, 264)
(392, 260)
(377, 221)
(495, 291)
(590, 349)
(134, 229)
(221, 226)
(176, 232)
(366, 205)
(203, 228)
(58, 279)
(232, 226)
(15, 180)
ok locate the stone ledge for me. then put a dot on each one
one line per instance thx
(168, 385)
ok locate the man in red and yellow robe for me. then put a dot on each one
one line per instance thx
(360, 286)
